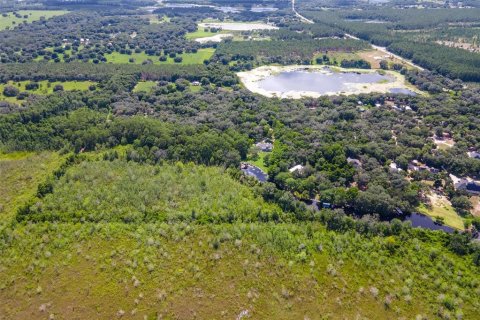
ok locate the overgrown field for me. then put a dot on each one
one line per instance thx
(129, 192)
(20, 174)
(263, 270)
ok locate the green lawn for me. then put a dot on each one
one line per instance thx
(45, 88)
(260, 161)
(188, 58)
(145, 86)
(203, 33)
(451, 218)
(32, 15)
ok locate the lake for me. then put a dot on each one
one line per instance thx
(423, 221)
(319, 82)
(295, 82)
(255, 172)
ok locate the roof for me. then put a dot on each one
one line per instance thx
(474, 154)
(473, 186)
(298, 167)
(355, 162)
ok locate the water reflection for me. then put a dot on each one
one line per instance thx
(403, 91)
(256, 172)
(423, 221)
(320, 82)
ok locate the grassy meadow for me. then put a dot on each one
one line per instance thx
(445, 211)
(139, 58)
(145, 86)
(28, 16)
(45, 87)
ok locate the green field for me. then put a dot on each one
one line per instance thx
(45, 87)
(32, 15)
(451, 218)
(260, 161)
(203, 33)
(145, 86)
(188, 58)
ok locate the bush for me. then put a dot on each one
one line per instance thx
(10, 91)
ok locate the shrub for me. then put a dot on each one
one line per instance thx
(10, 91)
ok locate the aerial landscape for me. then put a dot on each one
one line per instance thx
(239, 159)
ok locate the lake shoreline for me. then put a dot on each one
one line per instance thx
(251, 80)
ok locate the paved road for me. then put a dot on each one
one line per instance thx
(382, 49)
(299, 15)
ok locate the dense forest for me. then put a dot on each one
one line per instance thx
(392, 29)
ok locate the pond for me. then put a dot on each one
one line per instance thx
(403, 91)
(256, 172)
(313, 81)
(319, 82)
(423, 221)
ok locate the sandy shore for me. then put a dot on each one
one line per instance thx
(215, 38)
(252, 78)
(237, 26)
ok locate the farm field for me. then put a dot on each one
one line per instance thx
(10, 21)
(139, 58)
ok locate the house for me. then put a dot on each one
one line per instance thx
(473, 187)
(264, 146)
(196, 83)
(474, 154)
(468, 184)
(394, 167)
(354, 162)
(298, 168)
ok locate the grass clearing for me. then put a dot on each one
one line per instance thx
(442, 208)
(260, 163)
(145, 86)
(45, 88)
(28, 16)
(138, 58)
(20, 174)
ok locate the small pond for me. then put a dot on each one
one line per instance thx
(423, 221)
(403, 91)
(320, 82)
(255, 172)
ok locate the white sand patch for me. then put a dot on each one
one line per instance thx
(215, 38)
(237, 26)
(251, 80)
